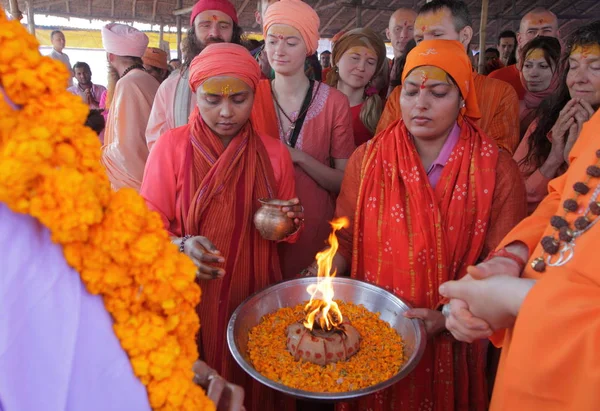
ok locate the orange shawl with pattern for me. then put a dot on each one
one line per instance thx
(410, 238)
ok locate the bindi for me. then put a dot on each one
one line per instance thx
(215, 18)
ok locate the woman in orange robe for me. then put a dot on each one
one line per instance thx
(205, 180)
(311, 118)
(427, 197)
(550, 355)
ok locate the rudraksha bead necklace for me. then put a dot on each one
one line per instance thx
(562, 240)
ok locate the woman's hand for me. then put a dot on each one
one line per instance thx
(203, 252)
(461, 322)
(295, 212)
(435, 322)
(562, 126)
(583, 113)
(297, 155)
(496, 299)
(226, 396)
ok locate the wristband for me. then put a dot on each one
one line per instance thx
(507, 254)
(182, 244)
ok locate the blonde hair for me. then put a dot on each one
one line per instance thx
(373, 105)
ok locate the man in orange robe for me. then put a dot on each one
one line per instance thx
(211, 21)
(538, 22)
(498, 102)
(550, 355)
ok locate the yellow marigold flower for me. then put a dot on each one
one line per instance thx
(50, 168)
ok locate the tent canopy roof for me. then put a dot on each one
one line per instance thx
(335, 15)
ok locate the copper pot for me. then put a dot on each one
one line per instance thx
(272, 223)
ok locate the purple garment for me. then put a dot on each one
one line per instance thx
(435, 169)
(58, 351)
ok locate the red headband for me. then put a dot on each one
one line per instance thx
(219, 5)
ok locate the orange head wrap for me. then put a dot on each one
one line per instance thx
(300, 16)
(155, 57)
(224, 59)
(450, 56)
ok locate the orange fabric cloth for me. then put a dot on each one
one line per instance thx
(444, 239)
(536, 183)
(550, 358)
(125, 151)
(325, 135)
(155, 57)
(199, 187)
(443, 54)
(498, 104)
(300, 16)
(410, 238)
(512, 76)
(209, 63)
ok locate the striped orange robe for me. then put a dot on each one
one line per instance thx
(498, 103)
(550, 358)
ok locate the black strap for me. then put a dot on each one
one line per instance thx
(303, 111)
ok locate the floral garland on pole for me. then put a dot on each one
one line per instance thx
(50, 169)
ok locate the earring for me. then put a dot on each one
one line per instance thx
(462, 105)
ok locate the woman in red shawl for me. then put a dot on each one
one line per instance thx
(205, 179)
(427, 197)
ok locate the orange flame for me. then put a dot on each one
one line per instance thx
(321, 307)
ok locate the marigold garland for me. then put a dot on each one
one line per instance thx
(50, 169)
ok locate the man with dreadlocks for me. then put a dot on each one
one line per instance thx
(211, 21)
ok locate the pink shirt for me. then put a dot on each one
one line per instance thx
(162, 186)
(434, 171)
(97, 91)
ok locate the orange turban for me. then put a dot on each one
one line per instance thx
(450, 56)
(300, 16)
(224, 59)
(155, 57)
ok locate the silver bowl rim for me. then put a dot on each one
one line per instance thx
(420, 344)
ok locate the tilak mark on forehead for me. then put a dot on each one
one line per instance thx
(587, 50)
(224, 86)
(535, 54)
(429, 20)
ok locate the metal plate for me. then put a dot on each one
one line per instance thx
(293, 292)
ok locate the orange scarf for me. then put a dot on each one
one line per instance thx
(410, 238)
(221, 196)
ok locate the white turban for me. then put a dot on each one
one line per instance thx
(124, 40)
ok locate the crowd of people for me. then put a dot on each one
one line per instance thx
(466, 192)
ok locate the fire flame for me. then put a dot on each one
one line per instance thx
(321, 307)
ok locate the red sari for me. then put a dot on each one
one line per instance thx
(409, 239)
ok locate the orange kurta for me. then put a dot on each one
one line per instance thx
(512, 76)
(397, 250)
(498, 104)
(550, 359)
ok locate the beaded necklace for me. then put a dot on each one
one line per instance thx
(558, 248)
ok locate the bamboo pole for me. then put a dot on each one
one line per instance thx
(30, 18)
(14, 10)
(482, 31)
(178, 22)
